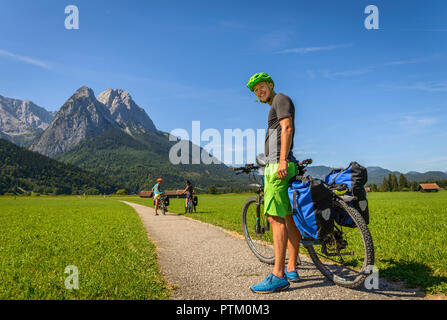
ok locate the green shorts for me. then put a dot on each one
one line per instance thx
(276, 198)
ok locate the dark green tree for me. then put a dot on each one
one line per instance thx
(403, 182)
(414, 186)
(212, 189)
(385, 187)
(392, 180)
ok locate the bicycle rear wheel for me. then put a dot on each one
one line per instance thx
(259, 239)
(345, 257)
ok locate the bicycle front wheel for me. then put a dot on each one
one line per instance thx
(346, 257)
(257, 231)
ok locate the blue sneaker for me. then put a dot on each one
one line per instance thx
(292, 276)
(271, 284)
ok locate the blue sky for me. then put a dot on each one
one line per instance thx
(375, 96)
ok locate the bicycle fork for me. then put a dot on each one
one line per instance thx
(258, 228)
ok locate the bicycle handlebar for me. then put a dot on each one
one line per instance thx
(305, 162)
(248, 168)
(245, 169)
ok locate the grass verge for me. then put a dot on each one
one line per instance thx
(105, 240)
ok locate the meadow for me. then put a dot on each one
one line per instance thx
(104, 239)
(409, 231)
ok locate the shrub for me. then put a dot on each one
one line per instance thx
(121, 192)
(212, 189)
(92, 191)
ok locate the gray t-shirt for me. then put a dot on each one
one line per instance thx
(282, 107)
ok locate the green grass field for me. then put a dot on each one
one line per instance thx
(409, 231)
(104, 239)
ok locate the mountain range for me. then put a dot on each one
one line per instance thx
(22, 121)
(376, 174)
(113, 136)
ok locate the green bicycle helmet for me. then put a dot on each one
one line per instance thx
(258, 77)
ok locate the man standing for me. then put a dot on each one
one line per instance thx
(280, 168)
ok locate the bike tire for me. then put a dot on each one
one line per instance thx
(269, 259)
(367, 246)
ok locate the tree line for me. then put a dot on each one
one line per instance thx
(23, 171)
(391, 184)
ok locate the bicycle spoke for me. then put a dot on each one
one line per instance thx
(355, 243)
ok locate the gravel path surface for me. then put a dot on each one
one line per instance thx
(202, 261)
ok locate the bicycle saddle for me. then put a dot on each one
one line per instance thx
(260, 160)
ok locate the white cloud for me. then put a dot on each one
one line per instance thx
(274, 39)
(429, 86)
(25, 59)
(408, 61)
(411, 121)
(332, 75)
(435, 160)
(314, 49)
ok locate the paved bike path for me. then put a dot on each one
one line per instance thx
(202, 261)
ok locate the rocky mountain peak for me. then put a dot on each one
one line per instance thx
(84, 92)
(125, 111)
(22, 120)
(81, 117)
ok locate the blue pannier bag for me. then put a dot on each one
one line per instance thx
(354, 178)
(311, 202)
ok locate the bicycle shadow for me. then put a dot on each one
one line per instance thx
(386, 287)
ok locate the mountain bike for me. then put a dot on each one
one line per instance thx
(163, 203)
(345, 256)
(190, 206)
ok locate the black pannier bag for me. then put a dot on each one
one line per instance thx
(354, 177)
(195, 201)
(311, 202)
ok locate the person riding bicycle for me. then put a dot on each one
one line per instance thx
(280, 168)
(189, 190)
(157, 193)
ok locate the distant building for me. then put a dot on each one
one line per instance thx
(146, 194)
(428, 187)
(169, 193)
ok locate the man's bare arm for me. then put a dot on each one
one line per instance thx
(286, 142)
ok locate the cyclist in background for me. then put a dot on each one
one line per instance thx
(157, 193)
(189, 190)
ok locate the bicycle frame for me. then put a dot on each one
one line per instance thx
(259, 201)
(250, 169)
